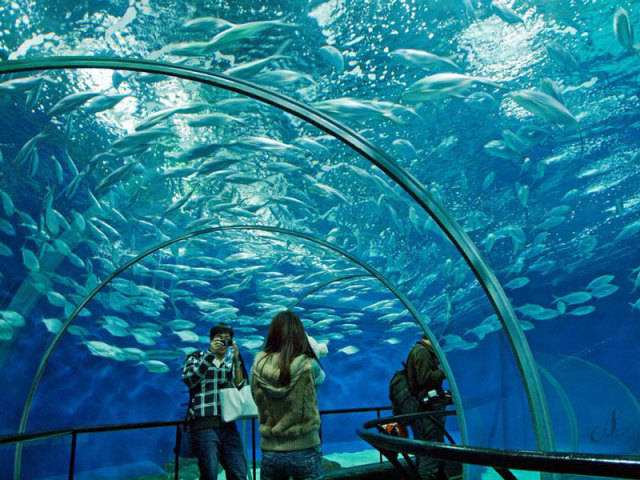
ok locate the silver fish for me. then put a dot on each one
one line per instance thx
(423, 59)
(161, 115)
(141, 138)
(283, 77)
(22, 84)
(574, 298)
(622, 29)
(205, 24)
(629, 231)
(102, 103)
(545, 107)
(505, 13)
(71, 102)
(584, 310)
(600, 281)
(187, 49)
(117, 176)
(443, 84)
(243, 31)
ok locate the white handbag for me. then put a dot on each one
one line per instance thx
(237, 403)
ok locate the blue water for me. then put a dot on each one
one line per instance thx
(551, 202)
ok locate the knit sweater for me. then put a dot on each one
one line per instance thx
(289, 416)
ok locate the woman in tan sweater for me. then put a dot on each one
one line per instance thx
(284, 380)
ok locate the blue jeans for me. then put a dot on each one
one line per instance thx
(219, 445)
(297, 464)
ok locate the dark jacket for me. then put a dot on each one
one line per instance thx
(423, 370)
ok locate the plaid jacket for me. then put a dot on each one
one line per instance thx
(205, 380)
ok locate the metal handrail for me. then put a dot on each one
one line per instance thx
(114, 427)
(625, 466)
(433, 415)
(620, 466)
(74, 432)
(43, 435)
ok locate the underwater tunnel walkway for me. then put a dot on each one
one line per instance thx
(371, 273)
(528, 371)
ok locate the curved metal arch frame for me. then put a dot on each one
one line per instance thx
(371, 271)
(485, 276)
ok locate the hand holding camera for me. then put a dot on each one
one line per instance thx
(220, 344)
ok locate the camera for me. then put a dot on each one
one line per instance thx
(227, 342)
(437, 398)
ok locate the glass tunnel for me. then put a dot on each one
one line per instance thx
(466, 170)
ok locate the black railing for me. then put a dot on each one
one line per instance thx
(620, 466)
(74, 432)
(501, 460)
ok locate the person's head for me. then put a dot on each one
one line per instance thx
(221, 332)
(287, 337)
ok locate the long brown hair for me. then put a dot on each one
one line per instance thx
(287, 337)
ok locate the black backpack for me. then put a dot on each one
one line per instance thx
(399, 392)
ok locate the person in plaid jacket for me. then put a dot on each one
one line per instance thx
(214, 441)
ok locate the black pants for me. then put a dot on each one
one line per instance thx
(423, 429)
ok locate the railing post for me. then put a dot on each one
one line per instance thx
(253, 446)
(72, 459)
(378, 417)
(176, 450)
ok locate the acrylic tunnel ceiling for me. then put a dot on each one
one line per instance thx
(519, 118)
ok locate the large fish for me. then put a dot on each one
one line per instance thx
(545, 107)
(574, 298)
(187, 49)
(283, 77)
(143, 138)
(623, 29)
(243, 31)
(22, 84)
(71, 102)
(249, 69)
(206, 24)
(161, 115)
(102, 103)
(505, 13)
(441, 85)
(117, 176)
(423, 59)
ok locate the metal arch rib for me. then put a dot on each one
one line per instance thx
(485, 276)
(370, 270)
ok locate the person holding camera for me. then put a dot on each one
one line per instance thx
(206, 373)
(418, 388)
